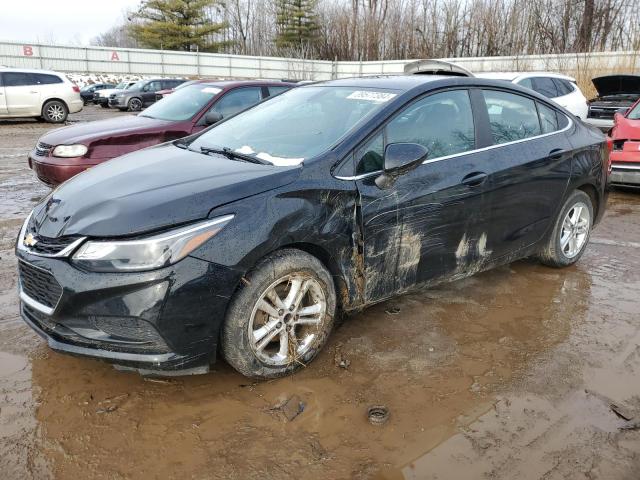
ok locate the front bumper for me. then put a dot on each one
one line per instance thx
(163, 320)
(118, 102)
(101, 101)
(604, 124)
(52, 173)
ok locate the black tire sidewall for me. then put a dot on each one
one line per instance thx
(235, 345)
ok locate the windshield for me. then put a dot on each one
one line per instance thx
(296, 125)
(138, 85)
(634, 114)
(183, 103)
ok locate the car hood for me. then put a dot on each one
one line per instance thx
(151, 189)
(617, 85)
(86, 132)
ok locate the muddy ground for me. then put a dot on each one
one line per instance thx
(508, 374)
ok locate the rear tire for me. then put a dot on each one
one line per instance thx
(281, 316)
(55, 111)
(571, 232)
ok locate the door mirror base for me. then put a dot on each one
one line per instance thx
(399, 158)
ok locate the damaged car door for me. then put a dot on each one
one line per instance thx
(424, 225)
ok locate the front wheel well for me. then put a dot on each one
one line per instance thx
(342, 291)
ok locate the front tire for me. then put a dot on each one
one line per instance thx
(281, 316)
(55, 111)
(571, 232)
(134, 105)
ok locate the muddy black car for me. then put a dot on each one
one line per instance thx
(249, 238)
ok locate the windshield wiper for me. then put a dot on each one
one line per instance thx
(227, 152)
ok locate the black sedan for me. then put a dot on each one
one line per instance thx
(87, 92)
(250, 237)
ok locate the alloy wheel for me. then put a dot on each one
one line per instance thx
(575, 229)
(135, 105)
(55, 112)
(287, 319)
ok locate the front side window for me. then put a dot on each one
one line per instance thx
(296, 125)
(237, 100)
(153, 86)
(18, 79)
(442, 123)
(512, 117)
(182, 104)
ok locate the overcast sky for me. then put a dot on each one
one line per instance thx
(59, 21)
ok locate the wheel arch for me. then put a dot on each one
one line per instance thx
(50, 100)
(592, 192)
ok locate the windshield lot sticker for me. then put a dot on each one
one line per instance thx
(279, 161)
(213, 90)
(369, 96)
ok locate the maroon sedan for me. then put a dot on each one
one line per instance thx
(62, 153)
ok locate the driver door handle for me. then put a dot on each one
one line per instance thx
(474, 179)
(556, 153)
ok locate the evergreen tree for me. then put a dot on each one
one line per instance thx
(296, 23)
(177, 25)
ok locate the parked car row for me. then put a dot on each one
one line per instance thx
(249, 236)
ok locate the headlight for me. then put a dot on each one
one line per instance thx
(147, 253)
(69, 151)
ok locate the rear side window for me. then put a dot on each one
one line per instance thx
(564, 86)
(45, 79)
(512, 117)
(18, 79)
(442, 123)
(548, 118)
(545, 86)
(277, 90)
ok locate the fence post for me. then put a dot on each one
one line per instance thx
(86, 60)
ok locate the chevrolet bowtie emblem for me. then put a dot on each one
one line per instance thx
(29, 240)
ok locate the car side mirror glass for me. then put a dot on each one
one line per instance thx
(400, 158)
(212, 117)
(145, 88)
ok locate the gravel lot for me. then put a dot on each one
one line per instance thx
(508, 374)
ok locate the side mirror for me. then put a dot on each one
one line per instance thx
(212, 117)
(399, 158)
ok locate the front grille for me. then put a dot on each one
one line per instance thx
(39, 285)
(46, 245)
(43, 149)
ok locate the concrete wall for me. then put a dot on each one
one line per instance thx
(139, 62)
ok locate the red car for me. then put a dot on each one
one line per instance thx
(62, 153)
(625, 153)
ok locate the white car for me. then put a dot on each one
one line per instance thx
(101, 97)
(560, 88)
(43, 94)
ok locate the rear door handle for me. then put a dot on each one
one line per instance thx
(474, 179)
(556, 153)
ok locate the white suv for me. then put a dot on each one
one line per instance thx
(560, 88)
(37, 93)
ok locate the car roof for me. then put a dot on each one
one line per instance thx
(512, 76)
(31, 70)
(236, 83)
(394, 82)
